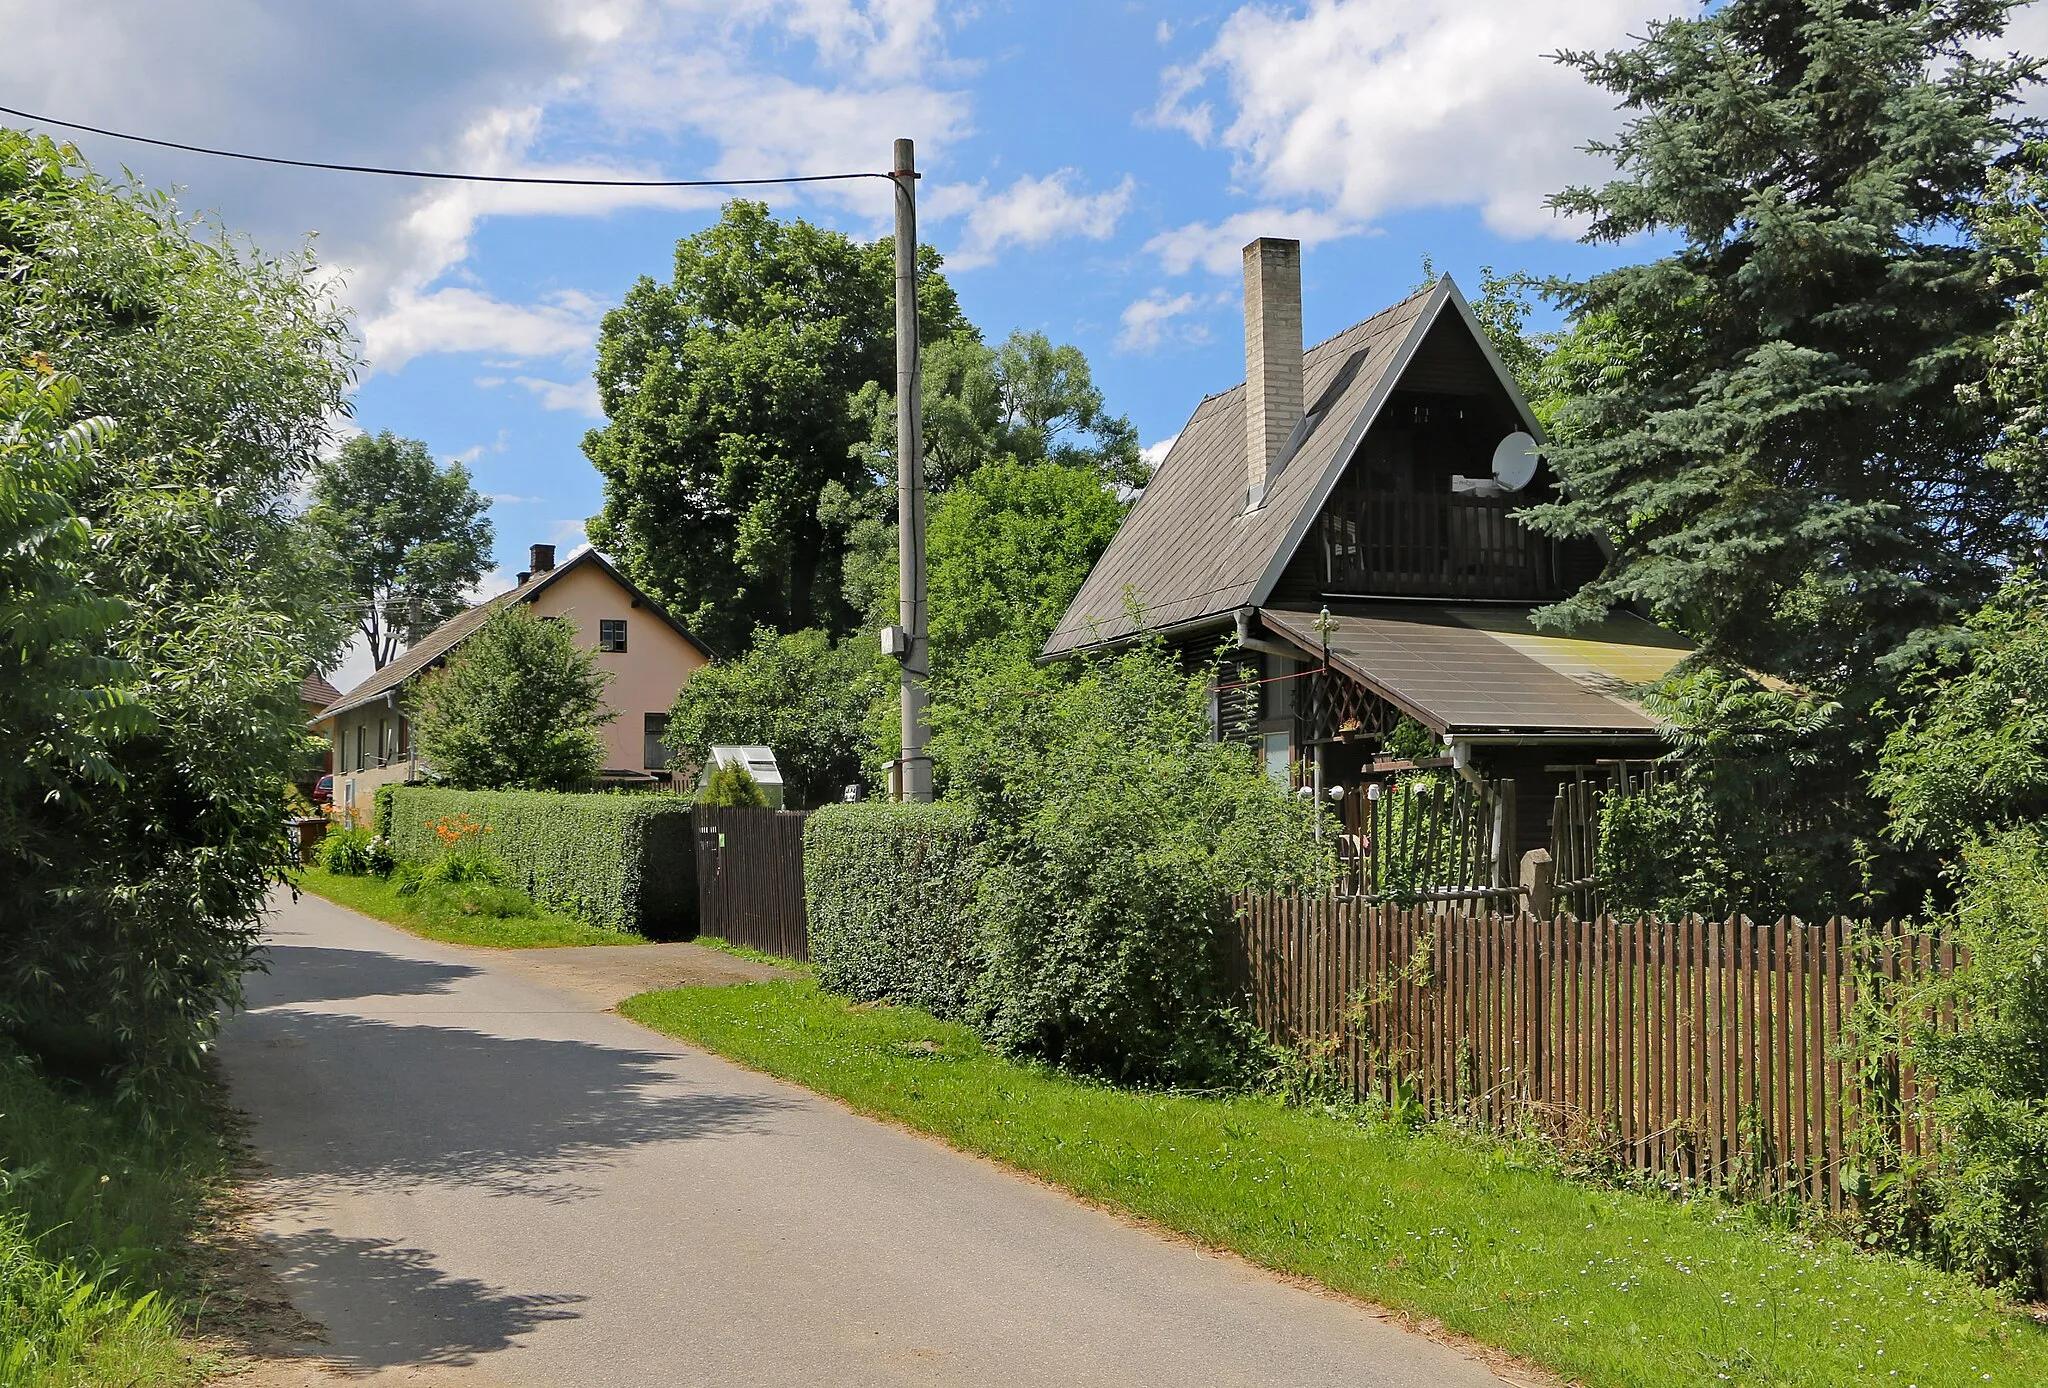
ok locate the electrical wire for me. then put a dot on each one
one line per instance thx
(444, 176)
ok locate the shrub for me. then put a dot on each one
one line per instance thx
(620, 862)
(380, 819)
(1115, 829)
(1988, 1188)
(890, 894)
(356, 853)
(730, 783)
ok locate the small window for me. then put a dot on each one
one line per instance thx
(654, 756)
(362, 746)
(611, 634)
(383, 742)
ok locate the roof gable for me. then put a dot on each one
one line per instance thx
(436, 644)
(1189, 552)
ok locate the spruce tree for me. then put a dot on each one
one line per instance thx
(1780, 425)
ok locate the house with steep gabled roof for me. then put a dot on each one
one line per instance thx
(1347, 518)
(649, 655)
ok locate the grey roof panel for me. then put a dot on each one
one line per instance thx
(1478, 675)
(1188, 549)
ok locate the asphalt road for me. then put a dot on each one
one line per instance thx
(479, 1175)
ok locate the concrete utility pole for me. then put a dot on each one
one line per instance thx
(913, 779)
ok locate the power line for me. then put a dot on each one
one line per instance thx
(439, 176)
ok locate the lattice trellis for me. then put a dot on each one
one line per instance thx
(1337, 708)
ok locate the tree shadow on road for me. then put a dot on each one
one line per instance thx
(401, 1309)
(306, 973)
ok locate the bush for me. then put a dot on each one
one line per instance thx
(890, 894)
(1988, 1188)
(620, 862)
(518, 705)
(380, 818)
(356, 853)
(1115, 829)
(730, 783)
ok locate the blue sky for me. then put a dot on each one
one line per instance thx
(1091, 169)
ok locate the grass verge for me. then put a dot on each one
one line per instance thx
(1605, 1286)
(749, 953)
(434, 919)
(96, 1211)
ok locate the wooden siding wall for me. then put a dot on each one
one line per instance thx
(750, 878)
(1711, 1052)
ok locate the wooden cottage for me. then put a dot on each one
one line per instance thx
(1347, 516)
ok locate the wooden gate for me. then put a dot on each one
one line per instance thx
(750, 878)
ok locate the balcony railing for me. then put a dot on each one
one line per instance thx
(1437, 544)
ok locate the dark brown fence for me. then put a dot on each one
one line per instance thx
(1712, 1051)
(750, 878)
(1428, 839)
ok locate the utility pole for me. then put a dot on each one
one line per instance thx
(911, 645)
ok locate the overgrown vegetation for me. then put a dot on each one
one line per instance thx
(95, 1210)
(1601, 1286)
(1113, 827)
(617, 862)
(152, 697)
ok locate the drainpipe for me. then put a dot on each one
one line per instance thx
(1249, 642)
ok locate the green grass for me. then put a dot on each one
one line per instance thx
(95, 1210)
(433, 916)
(752, 955)
(1606, 1286)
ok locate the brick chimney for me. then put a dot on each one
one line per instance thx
(1273, 401)
(541, 558)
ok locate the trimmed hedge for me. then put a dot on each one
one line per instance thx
(620, 862)
(380, 819)
(889, 890)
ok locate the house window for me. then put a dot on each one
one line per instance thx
(1278, 757)
(611, 634)
(362, 746)
(654, 756)
(383, 742)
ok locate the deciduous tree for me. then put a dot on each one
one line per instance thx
(517, 707)
(412, 537)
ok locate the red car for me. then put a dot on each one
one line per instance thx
(323, 791)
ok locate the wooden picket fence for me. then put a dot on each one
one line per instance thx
(1714, 1052)
(750, 878)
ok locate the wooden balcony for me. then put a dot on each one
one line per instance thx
(1437, 545)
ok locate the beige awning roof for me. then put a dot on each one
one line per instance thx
(1488, 670)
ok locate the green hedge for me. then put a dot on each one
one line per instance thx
(622, 862)
(889, 890)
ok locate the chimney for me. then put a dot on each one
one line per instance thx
(541, 558)
(1272, 357)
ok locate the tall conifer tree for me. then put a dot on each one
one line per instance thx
(1776, 423)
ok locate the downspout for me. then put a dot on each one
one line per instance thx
(1249, 642)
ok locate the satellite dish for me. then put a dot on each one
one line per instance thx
(1514, 461)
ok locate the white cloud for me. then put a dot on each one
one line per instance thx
(513, 499)
(1219, 247)
(494, 86)
(1030, 212)
(579, 395)
(1155, 453)
(1158, 318)
(1368, 107)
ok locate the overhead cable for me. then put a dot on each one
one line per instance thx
(440, 175)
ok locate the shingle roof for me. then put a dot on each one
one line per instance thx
(450, 633)
(1488, 670)
(317, 692)
(1188, 551)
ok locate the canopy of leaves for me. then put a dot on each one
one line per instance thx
(1007, 549)
(1115, 827)
(201, 599)
(729, 396)
(1769, 428)
(412, 537)
(517, 707)
(797, 693)
(1972, 752)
